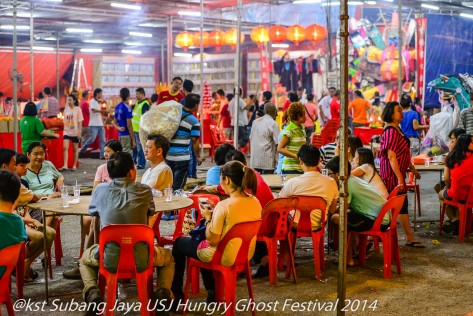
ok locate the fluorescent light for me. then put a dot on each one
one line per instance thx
(140, 34)
(21, 14)
(76, 30)
(389, 0)
(466, 15)
(306, 1)
(429, 6)
(18, 27)
(132, 43)
(50, 38)
(280, 45)
(150, 24)
(43, 48)
(189, 13)
(125, 6)
(182, 55)
(54, 0)
(331, 4)
(91, 50)
(131, 51)
(370, 2)
(94, 41)
(355, 3)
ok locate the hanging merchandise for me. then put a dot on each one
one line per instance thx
(376, 37)
(296, 34)
(277, 34)
(315, 33)
(259, 35)
(184, 40)
(217, 39)
(196, 39)
(231, 37)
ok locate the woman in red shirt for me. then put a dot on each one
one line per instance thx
(225, 117)
(459, 163)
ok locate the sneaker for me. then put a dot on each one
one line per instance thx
(263, 271)
(93, 299)
(456, 227)
(72, 274)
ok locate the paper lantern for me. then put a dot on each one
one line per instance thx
(217, 39)
(231, 37)
(277, 34)
(315, 33)
(260, 35)
(184, 40)
(196, 39)
(296, 34)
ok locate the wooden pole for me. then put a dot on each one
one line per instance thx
(202, 129)
(399, 50)
(15, 81)
(238, 75)
(31, 54)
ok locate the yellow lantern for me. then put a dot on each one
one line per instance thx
(296, 34)
(231, 37)
(277, 34)
(260, 35)
(217, 39)
(184, 40)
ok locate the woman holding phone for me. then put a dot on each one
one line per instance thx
(240, 207)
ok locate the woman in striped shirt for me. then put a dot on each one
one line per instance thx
(292, 139)
(395, 161)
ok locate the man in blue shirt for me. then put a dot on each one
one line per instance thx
(179, 156)
(122, 121)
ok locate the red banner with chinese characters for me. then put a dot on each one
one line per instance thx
(421, 26)
(264, 68)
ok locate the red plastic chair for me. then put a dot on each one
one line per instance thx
(304, 229)
(392, 194)
(127, 235)
(8, 258)
(412, 185)
(388, 237)
(226, 276)
(463, 200)
(217, 139)
(20, 271)
(275, 228)
(327, 134)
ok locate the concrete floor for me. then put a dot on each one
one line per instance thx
(436, 280)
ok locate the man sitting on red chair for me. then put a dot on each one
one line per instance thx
(122, 201)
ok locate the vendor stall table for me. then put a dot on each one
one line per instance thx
(274, 181)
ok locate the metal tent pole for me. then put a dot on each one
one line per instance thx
(15, 83)
(238, 76)
(342, 249)
(202, 129)
(31, 55)
(162, 63)
(399, 50)
(169, 76)
(57, 66)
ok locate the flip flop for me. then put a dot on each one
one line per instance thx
(415, 244)
(63, 169)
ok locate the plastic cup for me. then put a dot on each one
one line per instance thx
(426, 162)
(76, 189)
(168, 194)
(283, 179)
(65, 201)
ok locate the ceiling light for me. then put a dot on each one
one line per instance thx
(355, 3)
(389, 0)
(132, 43)
(280, 45)
(140, 34)
(151, 24)
(20, 14)
(76, 30)
(466, 15)
(50, 38)
(429, 6)
(189, 13)
(94, 41)
(306, 1)
(18, 27)
(370, 2)
(125, 6)
(131, 51)
(44, 48)
(182, 55)
(54, 0)
(91, 50)
(331, 4)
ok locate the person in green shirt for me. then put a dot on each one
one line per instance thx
(32, 128)
(13, 230)
(293, 137)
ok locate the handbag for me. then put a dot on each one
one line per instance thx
(198, 233)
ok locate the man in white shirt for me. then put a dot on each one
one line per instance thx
(264, 141)
(95, 124)
(242, 118)
(324, 106)
(312, 183)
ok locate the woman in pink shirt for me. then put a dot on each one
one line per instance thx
(111, 147)
(72, 130)
(311, 115)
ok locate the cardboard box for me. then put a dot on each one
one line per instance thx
(3, 126)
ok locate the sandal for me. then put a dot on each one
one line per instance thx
(415, 244)
(63, 169)
(33, 274)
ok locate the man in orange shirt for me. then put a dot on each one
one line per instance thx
(360, 108)
(174, 92)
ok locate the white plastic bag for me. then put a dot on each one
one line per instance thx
(163, 119)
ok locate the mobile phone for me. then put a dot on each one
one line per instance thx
(43, 198)
(205, 202)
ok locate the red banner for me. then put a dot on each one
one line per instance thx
(264, 68)
(421, 27)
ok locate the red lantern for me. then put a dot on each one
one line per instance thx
(315, 32)
(217, 38)
(260, 35)
(296, 34)
(277, 34)
(196, 39)
(231, 37)
(184, 40)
